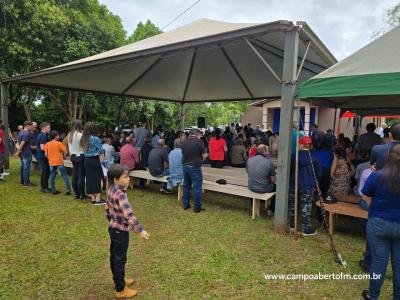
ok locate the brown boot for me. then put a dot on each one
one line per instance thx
(129, 281)
(126, 293)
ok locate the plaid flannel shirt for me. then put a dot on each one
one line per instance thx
(119, 212)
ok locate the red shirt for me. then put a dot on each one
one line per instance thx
(252, 151)
(217, 148)
(2, 142)
(129, 156)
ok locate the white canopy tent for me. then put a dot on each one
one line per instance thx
(203, 61)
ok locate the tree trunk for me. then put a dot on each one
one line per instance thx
(28, 103)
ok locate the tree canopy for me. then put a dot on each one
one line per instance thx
(37, 34)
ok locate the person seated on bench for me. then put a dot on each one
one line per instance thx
(144, 158)
(129, 155)
(261, 172)
(341, 172)
(238, 156)
(175, 165)
(158, 163)
(217, 149)
(307, 166)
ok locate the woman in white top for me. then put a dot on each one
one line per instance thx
(77, 159)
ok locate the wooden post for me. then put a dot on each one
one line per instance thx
(5, 101)
(285, 127)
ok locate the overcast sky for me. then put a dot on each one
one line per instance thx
(344, 26)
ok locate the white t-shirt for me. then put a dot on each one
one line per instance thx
(75, 147)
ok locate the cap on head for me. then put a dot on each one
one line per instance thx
(305, 140)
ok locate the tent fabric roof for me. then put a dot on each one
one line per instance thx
(205, 60)
(368, 78)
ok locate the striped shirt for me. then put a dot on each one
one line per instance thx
(119, 212)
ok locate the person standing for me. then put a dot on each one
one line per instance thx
(382, 192)
(3, 153)
(379, 157)
(368, 139)
(93, 149)
(121, 220)
(42, 160)
(379, 153)
(55, 152)
(193, 153)
(141, 132)
(33, 138)
(25, 153)
(77, 159)
(308, 169)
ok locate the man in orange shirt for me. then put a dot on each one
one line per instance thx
(55, 152)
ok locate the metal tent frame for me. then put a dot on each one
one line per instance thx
(294, 54)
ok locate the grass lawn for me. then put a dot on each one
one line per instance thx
(54, 247)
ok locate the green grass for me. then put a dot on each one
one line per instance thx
(53, 247)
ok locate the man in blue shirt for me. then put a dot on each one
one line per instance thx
(25, 153)
(380, 153)
(43, 163)
(308, 175)
(175, 165)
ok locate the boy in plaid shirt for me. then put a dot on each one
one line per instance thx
(121, 221)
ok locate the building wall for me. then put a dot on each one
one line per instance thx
(325, 118)
(252, 115)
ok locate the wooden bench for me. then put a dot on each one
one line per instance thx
(243, 191)
(342, 208)
(236, 185)
(145, 174)
(67, 162)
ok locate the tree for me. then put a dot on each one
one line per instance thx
(391, 20)
(143, 31)
(37, 34)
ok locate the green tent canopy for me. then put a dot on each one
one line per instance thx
(369, 78)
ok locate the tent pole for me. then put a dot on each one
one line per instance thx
(182, 116)
(4, 117)
(334, 122)
(288, 93)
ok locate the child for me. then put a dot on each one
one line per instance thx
(55, 152)
(306, 185)
(121, 221)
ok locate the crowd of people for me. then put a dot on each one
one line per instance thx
(367, 166)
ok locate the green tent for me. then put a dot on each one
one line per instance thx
(369, 78)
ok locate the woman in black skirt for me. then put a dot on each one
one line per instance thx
(92, 148)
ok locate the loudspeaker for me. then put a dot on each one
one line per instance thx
(201, 122)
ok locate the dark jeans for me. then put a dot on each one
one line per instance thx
(163, 185)
(2, 161)
(367, 254)
(192, 175)
(384, 240)
(306, 201)
(118, 248)
(325, 181)
(78, 175)
(63, 172)
(26, 162)
(44, 170)
(216, 163)
(242, 165)
(11, 147)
